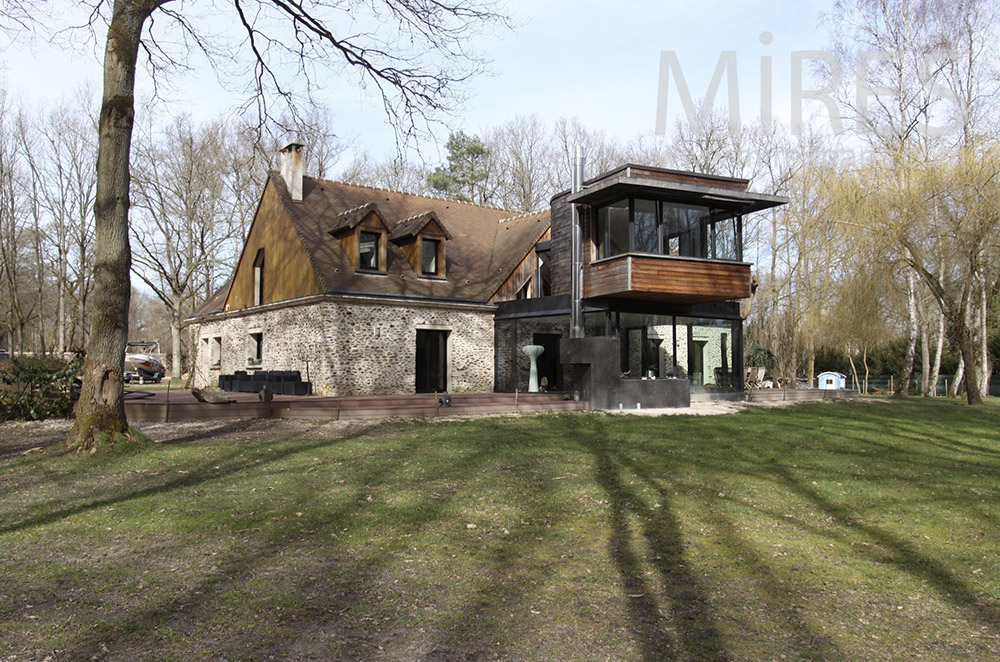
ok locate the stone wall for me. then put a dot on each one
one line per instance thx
(349, 345)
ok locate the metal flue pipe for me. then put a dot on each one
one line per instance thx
(576, 262)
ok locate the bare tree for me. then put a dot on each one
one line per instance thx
(179, 220)
(394, 173)
(520, 162)
(415, 54)
(710, 145)
(603, 152)
(922, 49)
(62, 166)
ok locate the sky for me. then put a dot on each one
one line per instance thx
(598, 61)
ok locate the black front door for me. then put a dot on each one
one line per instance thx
(432, 361)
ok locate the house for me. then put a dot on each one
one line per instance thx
(371, 291)
(831, 380)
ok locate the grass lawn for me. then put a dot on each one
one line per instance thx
(848, 531)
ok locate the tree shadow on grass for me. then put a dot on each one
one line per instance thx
(343, 604)
(903, 553)
(213, 468)
(679, 623)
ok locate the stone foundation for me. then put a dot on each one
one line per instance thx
(346, 345)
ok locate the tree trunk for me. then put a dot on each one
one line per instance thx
(911, 345)
(864, 358)
(938, 351)
(956, 386)
(61, 313)
(100, 412)
(175, 349)
(854, 372)
(925, 355)
(969, 353)
(983, 369)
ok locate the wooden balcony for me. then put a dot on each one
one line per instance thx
(666, 278)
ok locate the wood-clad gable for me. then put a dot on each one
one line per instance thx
(524, 272)
(287, 270)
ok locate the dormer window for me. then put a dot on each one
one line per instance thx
(430, 251)
(422, 239)
(362, 232)
(369, 250)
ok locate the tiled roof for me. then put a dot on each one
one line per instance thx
(485, 243)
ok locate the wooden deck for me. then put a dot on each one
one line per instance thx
(182, 406)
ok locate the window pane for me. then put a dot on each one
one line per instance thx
(708, 352)
(368, 251)
(429, 256)
(685, 223)
(257, 346)
(544, 278)
(612, 229)
(726, 247)
(645, 227)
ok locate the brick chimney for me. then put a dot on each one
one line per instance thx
(292, 167)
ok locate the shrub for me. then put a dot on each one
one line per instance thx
(36, 388)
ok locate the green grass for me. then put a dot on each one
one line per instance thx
(861, 531)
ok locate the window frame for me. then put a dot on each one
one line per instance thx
(378, 252)
(258, 277)
(438, 255)
(704, 244)
(256, 352)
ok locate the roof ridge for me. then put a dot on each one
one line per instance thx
(414, 216)
(356, 209)
(416, 195)
(523, 214)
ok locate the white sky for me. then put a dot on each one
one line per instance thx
(591, 59)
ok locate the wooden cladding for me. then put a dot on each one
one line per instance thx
(667, 278)
(285, 271)
(524, 271)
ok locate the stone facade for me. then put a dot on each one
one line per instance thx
(346, 345)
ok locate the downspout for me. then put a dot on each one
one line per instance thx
(576, 262)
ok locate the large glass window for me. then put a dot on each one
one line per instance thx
(612, 230)
(645, 227)
(685, 227)
(639, 225)
(662, 346)
(727, 240)
(705, 350)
